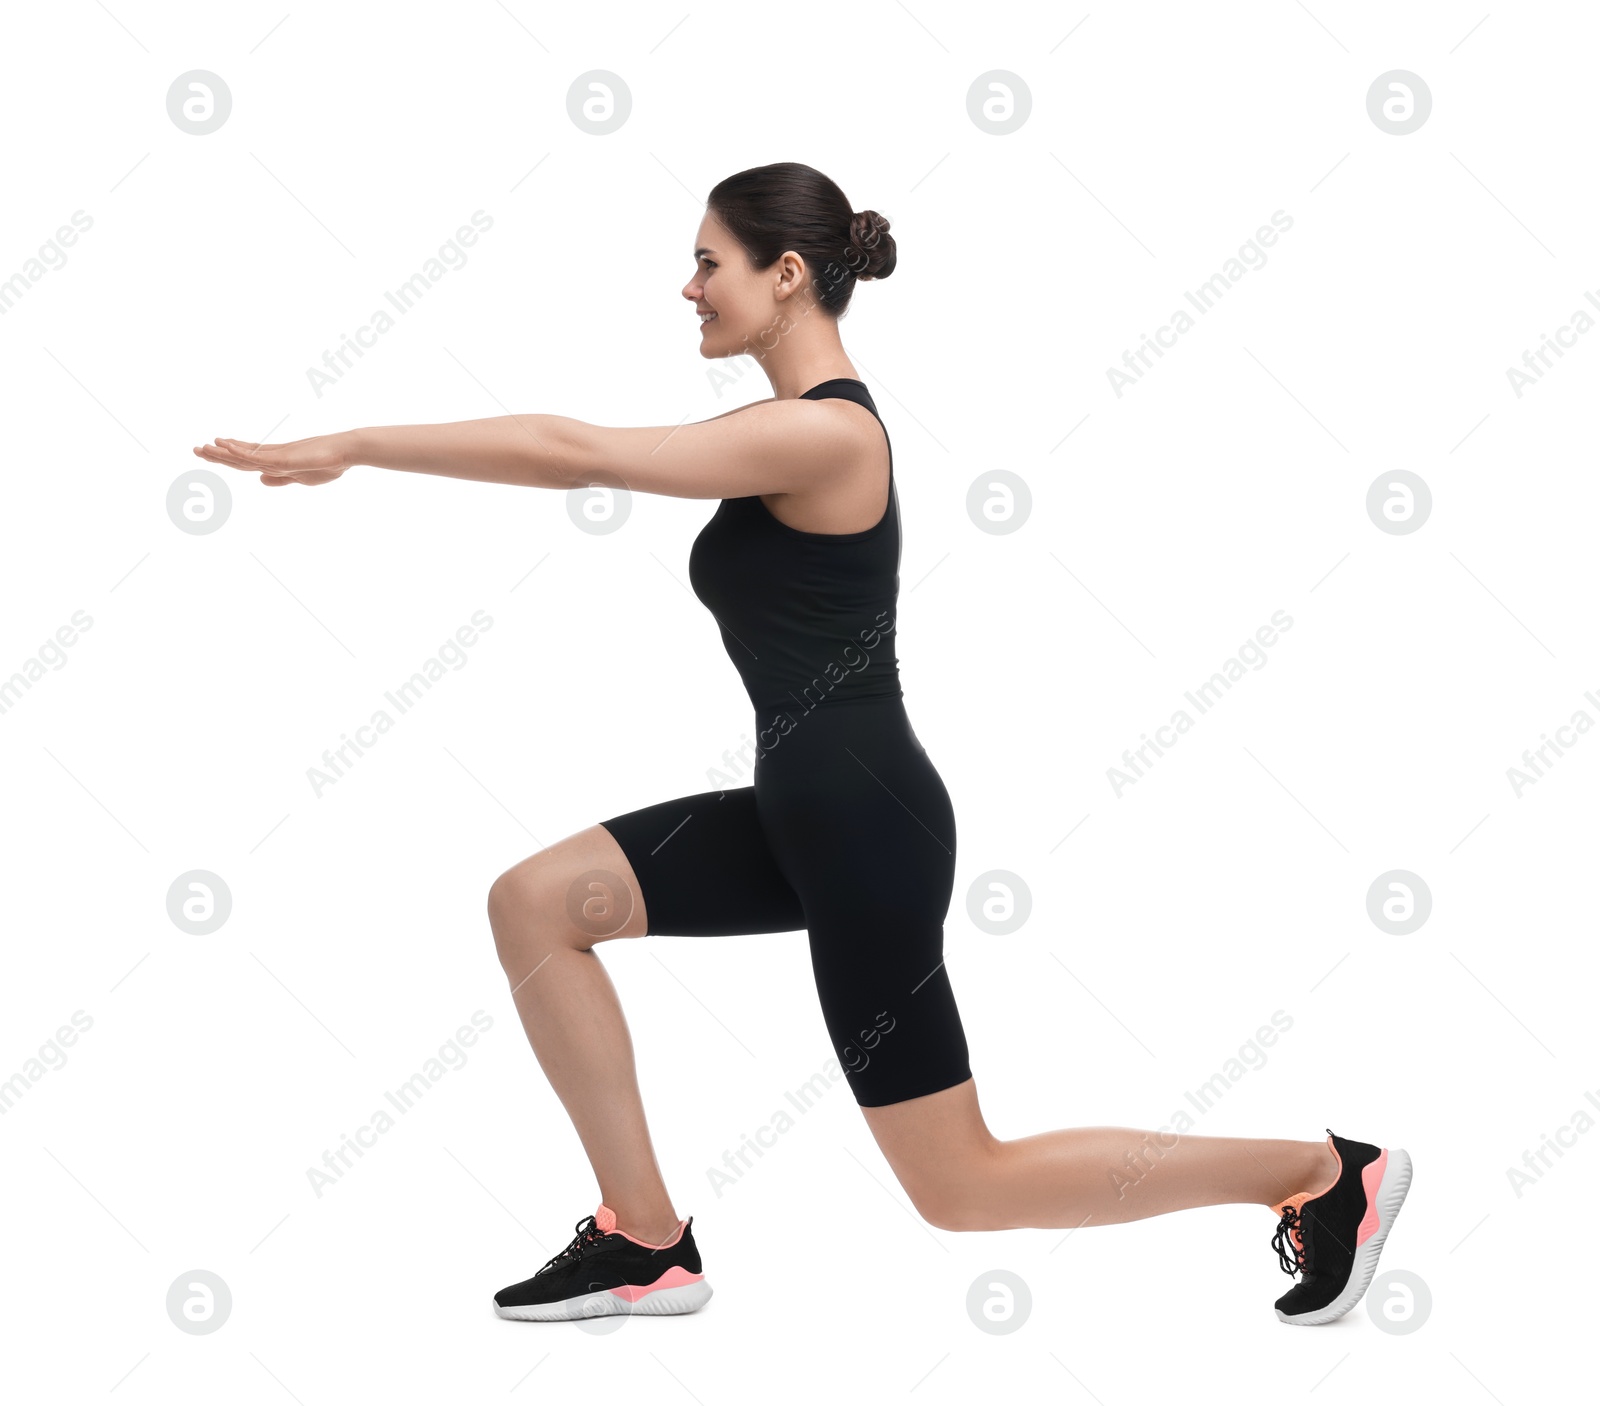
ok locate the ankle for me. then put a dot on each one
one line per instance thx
(655, 1233)
(653, 1224)
(1322, 1168)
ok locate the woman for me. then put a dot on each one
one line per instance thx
(847, 830)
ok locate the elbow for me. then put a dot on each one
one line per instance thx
(550, 454)
(562, 457)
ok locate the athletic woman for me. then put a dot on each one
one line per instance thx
(847, 831)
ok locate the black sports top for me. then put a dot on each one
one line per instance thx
(805, 616)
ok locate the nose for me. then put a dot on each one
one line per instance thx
(691, 290)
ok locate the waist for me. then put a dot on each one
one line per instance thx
(821, 695)
(814, 741)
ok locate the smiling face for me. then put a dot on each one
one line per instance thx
(737, 303)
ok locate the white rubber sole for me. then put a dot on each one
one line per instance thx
(1391, 1196)
(686, 1298)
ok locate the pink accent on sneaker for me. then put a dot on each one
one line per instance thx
(674, 1278)
(606, 1219)
(1371, 1180)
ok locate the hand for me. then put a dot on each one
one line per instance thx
(320, 459)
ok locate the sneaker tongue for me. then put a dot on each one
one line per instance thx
(606, 1219)
(1297, 1201)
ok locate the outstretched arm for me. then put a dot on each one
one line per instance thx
(773, 446)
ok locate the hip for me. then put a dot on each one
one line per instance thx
(852, 767)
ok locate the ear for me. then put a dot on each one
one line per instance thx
(790, 274)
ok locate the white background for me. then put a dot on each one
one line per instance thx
(1229, 483)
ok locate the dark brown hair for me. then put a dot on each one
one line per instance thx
(772, 209)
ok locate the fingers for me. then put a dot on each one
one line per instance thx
(248, 465)
(234, 452)
(240, 449)
(217, 456)
(251, 458)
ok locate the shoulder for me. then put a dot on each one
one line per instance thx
(770, 446)
(824, 434)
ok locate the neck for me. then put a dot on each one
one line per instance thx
(787, 386)
(806, 356)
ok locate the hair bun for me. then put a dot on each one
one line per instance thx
(869, 233)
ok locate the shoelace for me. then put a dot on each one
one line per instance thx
(589, 1233)
(1290, 1235)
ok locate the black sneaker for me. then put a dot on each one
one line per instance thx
(1332, 1237)
(605, 1270)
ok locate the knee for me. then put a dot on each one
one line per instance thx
(519, 909)
(952, 1209)
(550, 901)
(957, 1197)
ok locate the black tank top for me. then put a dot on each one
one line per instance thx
(806, 617)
